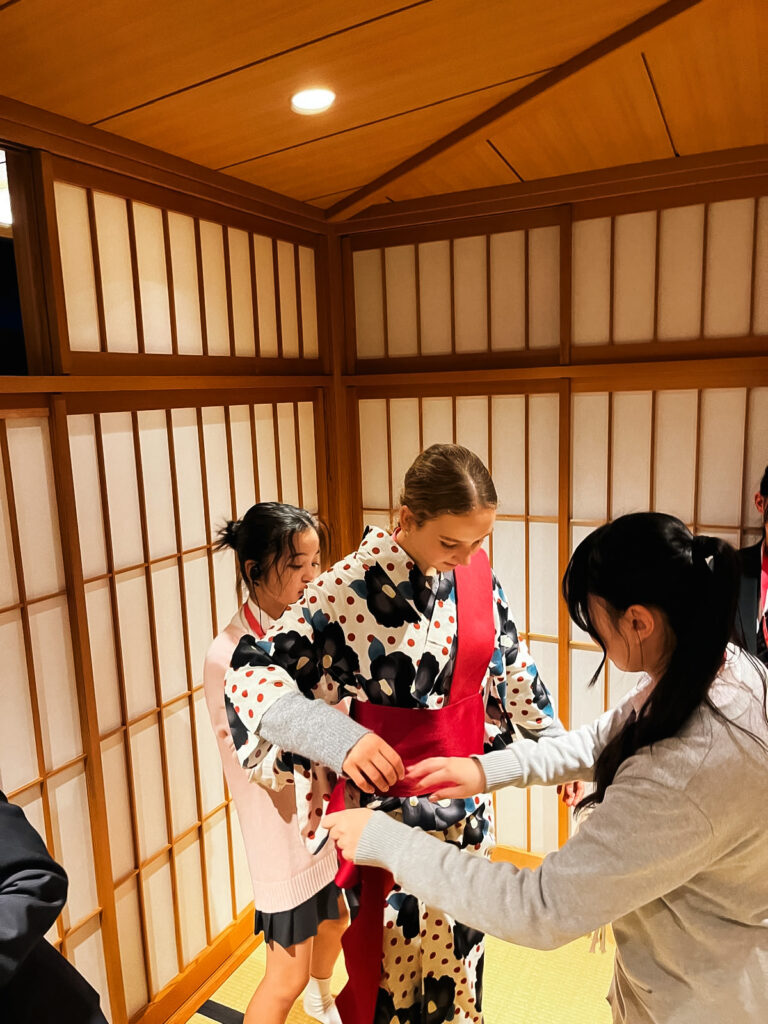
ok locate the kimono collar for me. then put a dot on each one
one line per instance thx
(379, 546)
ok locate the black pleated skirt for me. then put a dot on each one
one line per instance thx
(291, 927)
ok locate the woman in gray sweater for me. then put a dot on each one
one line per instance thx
(675, 851)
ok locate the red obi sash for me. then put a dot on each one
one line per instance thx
(253, 622)
(455, 730)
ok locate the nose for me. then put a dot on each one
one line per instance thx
(466, 558)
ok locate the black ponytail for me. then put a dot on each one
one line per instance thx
(652, 559)
(265, 536)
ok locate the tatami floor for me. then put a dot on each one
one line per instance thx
(522, 986)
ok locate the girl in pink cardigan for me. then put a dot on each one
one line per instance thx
(298, 905)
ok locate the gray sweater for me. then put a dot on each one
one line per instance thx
(676, 857)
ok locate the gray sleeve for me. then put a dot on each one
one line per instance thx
(312, 729)
(555, 757)
(645, 839)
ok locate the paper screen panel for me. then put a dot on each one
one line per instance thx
(470, 294)
(29, 450)
(681, 249)
(181, 782)
(509, 566)
(509, 452)
(186, 298)
(51, 641)
(375, 472)
(544, 819)
(266, 457)
(153, 278)
(118, 800)
(122, 488)
(77, 267)
(135, 642)
(144, 738)
(169, 630)
(101, 637)
(308, 291)
(589, 458)
(71, 824)
(591, 286)
(9, 590)
(404, 440)
(631, 453)
(86, 479)
(543, 454)
(727, 296)
(158, 900)
(18, 751)
(191, 909)
(209, 761)
(86, 952)
(511, 816)
(369, 303)
(216, 466)
(472, 425)
(242, 458)
(131, 946)
(286, 432)
(111, 215)
(436, 421)
(586, 701)
(544, 580)
(508, 291)
(400, 268)
(544, 287)
(239, 243)
(215, 288)
(289, 324)
(721, 446)
(265, 295)
(306, 415)
(188, 476)
(634, 276)
(435, 297)
(199, 619)
(674, 464)
(156, 475)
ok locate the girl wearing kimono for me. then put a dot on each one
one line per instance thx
(415, 629)
(298, 905)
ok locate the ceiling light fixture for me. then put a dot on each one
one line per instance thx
(312, 101)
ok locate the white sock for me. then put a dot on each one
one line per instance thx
(318, 1001)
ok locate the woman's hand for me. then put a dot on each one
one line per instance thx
(443, 777)
(346, 827)
(571, 793)
(373, 765)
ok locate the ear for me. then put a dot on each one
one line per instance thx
(760, 502)
(641, 620)
(250, 564)
(406, 519)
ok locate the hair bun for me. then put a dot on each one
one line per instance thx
(703, 548)
(228, 533)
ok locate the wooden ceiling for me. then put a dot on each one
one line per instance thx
(433, 96)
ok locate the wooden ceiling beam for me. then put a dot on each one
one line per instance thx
(353, 203)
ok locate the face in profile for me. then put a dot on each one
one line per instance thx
(447, 540)
(288, 578)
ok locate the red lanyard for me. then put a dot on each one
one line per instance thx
(252, 621)
(764, 594)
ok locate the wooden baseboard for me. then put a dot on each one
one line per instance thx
(514, 855)
(177, 1002)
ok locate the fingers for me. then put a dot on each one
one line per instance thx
(447, 792)
(394, 759)
(354, 773)
(385, 768)
(426, 767)
(429, 783)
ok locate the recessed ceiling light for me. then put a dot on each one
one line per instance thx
(312, 101)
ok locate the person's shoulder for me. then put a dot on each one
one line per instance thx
(219, 654)
(750, 554)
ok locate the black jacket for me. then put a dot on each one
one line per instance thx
(749, 594)
(36, 983)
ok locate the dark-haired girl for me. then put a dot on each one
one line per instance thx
(415, 629)
(298, 906)
(675, 851)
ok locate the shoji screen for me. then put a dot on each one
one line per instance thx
(669, 275)
(517, 436)
(483, 293)
(42, 748)
(147, 278)
(696, 454)
(152, 486)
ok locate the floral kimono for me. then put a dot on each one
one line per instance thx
(376, 629)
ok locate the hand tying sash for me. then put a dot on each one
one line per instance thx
(455, 730)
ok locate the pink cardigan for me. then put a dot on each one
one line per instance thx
(283, 872)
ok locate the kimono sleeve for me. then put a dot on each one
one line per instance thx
(517, 699)
(305, 654)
